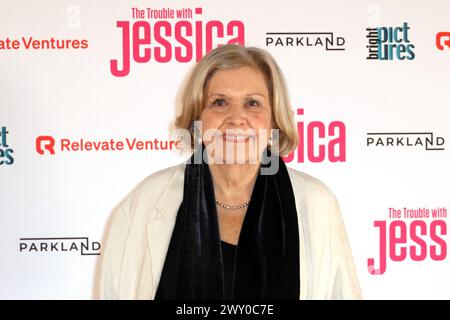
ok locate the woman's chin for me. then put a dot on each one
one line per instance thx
(232, 159)
(243, 152)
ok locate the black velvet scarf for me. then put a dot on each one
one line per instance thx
(267, 257)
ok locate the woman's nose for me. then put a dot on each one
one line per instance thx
(237, 115)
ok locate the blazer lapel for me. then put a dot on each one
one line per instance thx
(159, 232)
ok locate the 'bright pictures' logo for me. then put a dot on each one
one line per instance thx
(6, 152)
(390, 43)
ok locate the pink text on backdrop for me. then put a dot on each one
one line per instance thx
(166, 40)
(418, 241)
(319, 142)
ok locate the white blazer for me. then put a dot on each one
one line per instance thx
(141, 228)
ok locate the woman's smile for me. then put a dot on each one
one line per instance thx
(237, 138)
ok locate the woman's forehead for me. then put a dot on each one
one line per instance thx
(244, 79)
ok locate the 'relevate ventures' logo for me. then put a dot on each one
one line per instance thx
(50, 145)
(390, 43)
(443, 40)
(165, 35)
(6, 157)
(45, 144)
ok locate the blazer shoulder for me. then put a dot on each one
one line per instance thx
(159, 180)
(307, 186)
(152, 187)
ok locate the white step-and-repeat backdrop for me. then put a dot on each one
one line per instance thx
(89, 91)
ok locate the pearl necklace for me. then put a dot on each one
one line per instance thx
(239, 206)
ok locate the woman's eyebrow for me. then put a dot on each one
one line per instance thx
(256, 94)
(247, 95)
(217, 94)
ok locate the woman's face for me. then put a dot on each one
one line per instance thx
(237, 117)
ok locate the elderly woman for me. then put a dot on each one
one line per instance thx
(219, 227)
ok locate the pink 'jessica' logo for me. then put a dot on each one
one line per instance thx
(166, 40)
(319, 142)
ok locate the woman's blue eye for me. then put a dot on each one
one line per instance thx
(219, 102)
(253, 103)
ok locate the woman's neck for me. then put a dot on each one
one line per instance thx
(233, 184)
